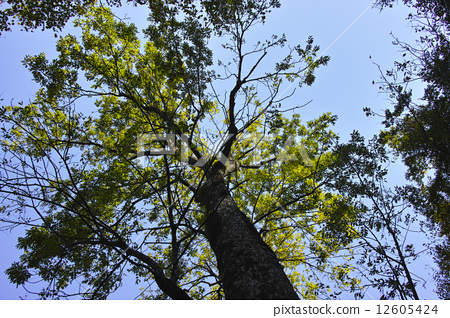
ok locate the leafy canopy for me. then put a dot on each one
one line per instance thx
(95, 209)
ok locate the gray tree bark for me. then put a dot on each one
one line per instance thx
(248, 268)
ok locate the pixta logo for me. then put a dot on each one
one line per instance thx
(150, 144)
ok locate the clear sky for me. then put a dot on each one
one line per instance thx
(348, 30)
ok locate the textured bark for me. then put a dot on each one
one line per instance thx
(249, 269)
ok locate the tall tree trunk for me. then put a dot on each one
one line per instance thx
(249, 269)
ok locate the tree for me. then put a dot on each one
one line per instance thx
(46, 14)
(250, 218)
(419, 132)
(383, 249)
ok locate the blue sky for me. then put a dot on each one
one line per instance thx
(349, 30)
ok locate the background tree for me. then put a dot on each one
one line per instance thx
(200, 222)
(385, 248)
(46, 14)
(419, 132)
